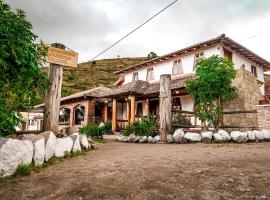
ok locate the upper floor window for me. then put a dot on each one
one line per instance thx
(177, 67)
(227, 54)
(197, 56)
(254, 70)
(150, 74)
(135, 76)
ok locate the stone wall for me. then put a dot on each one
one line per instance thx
(263, 116)
(247, 98)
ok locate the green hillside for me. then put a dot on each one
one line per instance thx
(96, 73)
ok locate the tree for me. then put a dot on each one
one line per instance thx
(151, 55)
(21, 80)
(212, 87)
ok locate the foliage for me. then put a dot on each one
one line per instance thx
(181, 119)
(212, 87)
(142, 127)
(108, 127)
(151, 55)
(21, 80)
(23, 169)
(92, 130)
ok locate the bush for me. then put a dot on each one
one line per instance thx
(143, 127)
(23, 169)
(92, 130)
(108, 127)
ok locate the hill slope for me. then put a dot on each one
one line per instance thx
(92, 74)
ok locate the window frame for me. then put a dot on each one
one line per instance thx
(201, 55)
(148, 77)
(135, 74)
(179, 67)
(254, 71)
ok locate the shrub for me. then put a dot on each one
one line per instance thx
(143, 127)
(23, 169)
(92, 130)
(108, 127)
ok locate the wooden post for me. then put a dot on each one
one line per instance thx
(53, 96)
(114, 115)
(165, 106)
(105, 113)
(132, 109)
(146, 107)
(128, 111)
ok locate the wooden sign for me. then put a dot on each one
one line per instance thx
(62, 57)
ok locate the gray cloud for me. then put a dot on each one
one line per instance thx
(90, 26)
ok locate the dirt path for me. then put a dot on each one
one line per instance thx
(153, 171)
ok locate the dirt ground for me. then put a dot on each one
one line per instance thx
(153, 171)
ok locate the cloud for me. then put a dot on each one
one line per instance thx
(90, 26)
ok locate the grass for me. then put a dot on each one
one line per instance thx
(27, 169)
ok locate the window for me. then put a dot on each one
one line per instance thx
(176, 104)
(150, 74)
(64, 115)
(135, 76)
(177, 67)
(79, 114)
(139, 110)
(254, 70)
(227, 54)
(197, 56)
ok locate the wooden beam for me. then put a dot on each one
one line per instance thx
(132, 109)
(128, 111)
(114, 115)
(105, 113)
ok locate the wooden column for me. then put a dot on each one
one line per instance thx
(114, 115)
(128, 111)
(105, 113)
(165, 106)
(146, 107)
(132, 109)
(53, 96)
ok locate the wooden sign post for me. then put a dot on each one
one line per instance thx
(165, 107)
(57, 57)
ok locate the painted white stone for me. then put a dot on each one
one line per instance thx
(266, 134)
(63, 145)
(39, 147)
(193, 137)
(132, 137)
(84, 142)
(157, 138)
(150, 139)
(178, 135)
(225, 135)
(258, 135)
(12, 153)
(217, 137)
(50, 142)
(76, 142)
(101, 125)
(143, 139)
(169, 138)
(251, 136)
(207, 136)
(137, 139)
(239, 137)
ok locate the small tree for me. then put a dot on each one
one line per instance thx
(212, 87)
(151, 55)
(21, 80)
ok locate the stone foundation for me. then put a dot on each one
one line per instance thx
(264, 116)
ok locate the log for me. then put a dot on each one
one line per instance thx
(165, 106)
(53, 96)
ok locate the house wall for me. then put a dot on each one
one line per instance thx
(32, 122)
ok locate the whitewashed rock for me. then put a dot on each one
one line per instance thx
(217, 138)
(132, 137)
(63, 145)
(150, 139)
(157, 138)
(101, 125)
(251, 136)
(39, 147)
(124, 138)
(76, 142)
(143, 139)
(178, 135)
(137, 139)
(239, 137)
(12, 153)
(258, 135)
(225, 135)
(169, 138)
(50, 142)
(193, 137)
(207, 136)
(266, 134)
(84, 142)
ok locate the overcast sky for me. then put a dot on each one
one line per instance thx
(89, 26)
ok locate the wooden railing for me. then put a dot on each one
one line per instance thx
(184, 119)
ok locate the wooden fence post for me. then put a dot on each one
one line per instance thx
(165, 106)
(53, 96)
